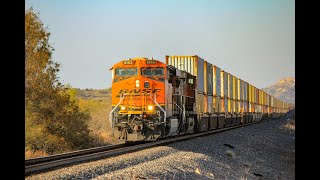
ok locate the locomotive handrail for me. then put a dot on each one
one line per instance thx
(165, 114)
(122, 96)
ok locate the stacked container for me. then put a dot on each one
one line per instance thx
(217, 89)
(236, 94)
(245, 96)
(230, 93)
(224, 91)
(191, 64)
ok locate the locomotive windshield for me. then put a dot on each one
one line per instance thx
(126, 71)
(158, 71)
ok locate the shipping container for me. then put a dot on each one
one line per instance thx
(240, 90)
(200, 104)
(245, 91)
(208, 78)
(235, 94)
(245, 107)
(191, 64)
(257, 96)
(236, 106)
(206, 106)
(210, 104)
(234, 88)
(225, 104)
(261, 97)
(223, 109)
(217, 104)
(230, 86)
(249, 107)
(241, 110)
(253, 94)
(259, 109)
(216, 81)
(224, 84)
(249, 93)
(230, 107)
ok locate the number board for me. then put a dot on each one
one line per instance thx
(128, 62)
(151, 62)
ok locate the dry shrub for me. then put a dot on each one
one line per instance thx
(230, 153)
(290, 125)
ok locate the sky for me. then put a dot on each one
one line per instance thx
(251, 39)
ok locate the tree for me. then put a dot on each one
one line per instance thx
(54, 122)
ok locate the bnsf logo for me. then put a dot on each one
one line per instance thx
(136, 91)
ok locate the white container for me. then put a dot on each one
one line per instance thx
(216, 81)
(208, 78)
(191, 64)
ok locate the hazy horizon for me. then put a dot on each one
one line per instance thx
(253, 40)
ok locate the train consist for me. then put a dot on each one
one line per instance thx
(153, 100)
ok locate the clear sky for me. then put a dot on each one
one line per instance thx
(252, 39)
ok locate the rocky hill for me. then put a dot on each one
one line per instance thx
(283, 89)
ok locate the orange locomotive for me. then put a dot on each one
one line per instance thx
(150, 100)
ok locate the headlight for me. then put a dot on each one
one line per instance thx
(123, 108)
(137, 83)
(150, 108)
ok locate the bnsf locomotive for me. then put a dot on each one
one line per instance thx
(152, 99)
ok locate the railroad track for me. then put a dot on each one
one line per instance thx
(37, 165)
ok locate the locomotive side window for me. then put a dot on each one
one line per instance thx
(152, 71)
(126, 71)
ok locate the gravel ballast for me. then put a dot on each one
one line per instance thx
(261, 151)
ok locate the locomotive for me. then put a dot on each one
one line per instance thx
(153, 100)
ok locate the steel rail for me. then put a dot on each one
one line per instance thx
(73, 153)
(37, 165)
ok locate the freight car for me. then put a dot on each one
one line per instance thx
(153, 100)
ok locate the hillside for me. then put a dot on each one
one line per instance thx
(284, 89)
(94, 93)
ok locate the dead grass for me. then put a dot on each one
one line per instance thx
(34, 154)
(99, 125)
(230, 153)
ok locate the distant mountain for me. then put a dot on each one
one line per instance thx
(283, 90)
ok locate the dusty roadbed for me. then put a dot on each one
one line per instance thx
(261, 151)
